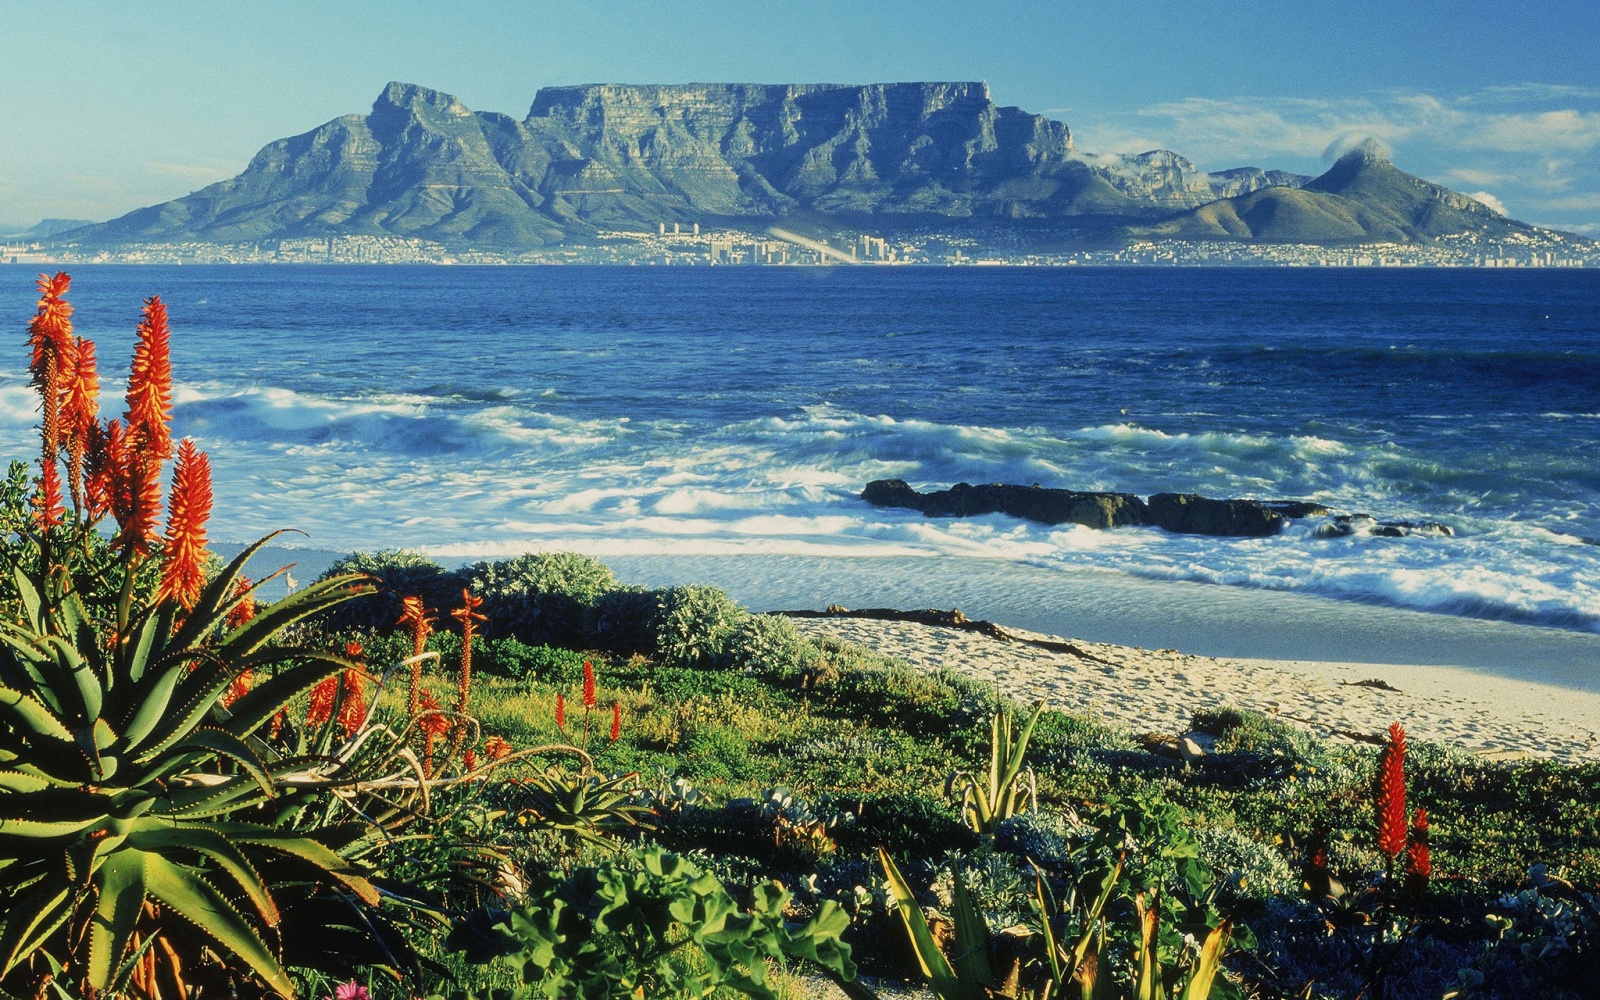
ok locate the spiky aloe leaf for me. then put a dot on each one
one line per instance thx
(942, 977)
(197, 901)
(263, 701)
(32, 601)
(119, 885)
(1209, 962)
(1149, 982)
(295, 608)
(972, 960)
(158, 834)
(30, 919)
(222, 744)
(1016, 750)
(28, 713)
(218, 597)
(306, 849)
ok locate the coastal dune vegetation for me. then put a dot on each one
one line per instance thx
(529, 778)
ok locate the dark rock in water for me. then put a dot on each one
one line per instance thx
(1032, 503)
(1365, 524)
(1189, 514)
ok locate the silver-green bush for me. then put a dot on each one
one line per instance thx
(694, 624)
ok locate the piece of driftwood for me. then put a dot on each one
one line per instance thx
(946, 619)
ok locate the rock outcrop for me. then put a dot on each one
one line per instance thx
(1183, 513)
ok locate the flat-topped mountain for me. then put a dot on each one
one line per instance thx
(602, 156)
(893, 156)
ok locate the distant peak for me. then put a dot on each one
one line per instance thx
(410, 96)
(1367, 152)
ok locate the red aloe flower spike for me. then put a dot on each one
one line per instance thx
(50, 334)
(616, 721)
(1391, 795)
(80, 412)
(183, 557)
(1418, 860)
(496, 748)
(322, 698)
(276, 726)
(588, 684)
(468, 616)
(353, 650)
(136, 500)
(352, 701)
(561, 711)
(238, 687)
(470, 759)
(103, 486)
(245, 610)
(48, 509)
(414, 614)
(150, 383)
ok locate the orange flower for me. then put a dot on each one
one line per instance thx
(183, 557)
(468, 616)
(1390, 800)
(470, 759)
(50, 334)
(496, 749)
(150, 383)
(245, 610)
(136, 499)
(48, 510)
(433, 722)
(276, 726)
(588, 684)
(414, 614)
(561, 711)
(1419, 862)
(322, 698)
(80, 411)
(238, 688)
(352, 701)
(616, 721)
(352, 650)
(106, 460)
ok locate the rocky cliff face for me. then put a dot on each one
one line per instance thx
(422, 164)
(611, 156)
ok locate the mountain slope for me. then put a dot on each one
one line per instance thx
(1362, 198)
(603, 156)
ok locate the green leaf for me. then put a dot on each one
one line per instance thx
(1209, 962)
(941, 977)
(971, 961)
(196, 901)
(120, 886)
(225, 744)
(160, 835)
(29, 920)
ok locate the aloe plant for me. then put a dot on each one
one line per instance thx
(1009, 786)
(124, 782)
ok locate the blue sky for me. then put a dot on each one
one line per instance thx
(111, 106)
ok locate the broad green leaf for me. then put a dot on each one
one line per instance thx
(195, 900)
(1209, 962)
(120, 898)
(158, 834)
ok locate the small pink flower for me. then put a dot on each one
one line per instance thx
(350, 991)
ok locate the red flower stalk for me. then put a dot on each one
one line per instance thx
(48, 510)
(468, 616)
(1419, 863)
(183, 557)
(50, 334)
(561, 711)
(588, 684)
(80, 412)
(470, 759)
(433, 724)
(496, 748)
(238, 688)
(107, 458)
(322, 698)
(352, 701)
(276, 725)
(245, 610)
(136, 500)
(616, 721)
(150, 383)
(1390, 800)
(414, 614)
(353, 650)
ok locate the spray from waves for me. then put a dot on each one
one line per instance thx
(466, 473)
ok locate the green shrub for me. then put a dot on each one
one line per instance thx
(694, 624)
(400, 573)
(525, 662)
(624, 621)
(1245, 867)
(909, 826)
(768, 643)
(540, 598)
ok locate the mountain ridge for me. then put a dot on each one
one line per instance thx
(595, 157)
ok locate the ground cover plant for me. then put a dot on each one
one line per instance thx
(526, 778)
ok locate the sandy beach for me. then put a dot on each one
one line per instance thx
(1158, 691)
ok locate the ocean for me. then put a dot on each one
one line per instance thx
(679, 413)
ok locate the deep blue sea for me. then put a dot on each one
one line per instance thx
(636, 411)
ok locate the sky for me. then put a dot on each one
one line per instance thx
(110, 106)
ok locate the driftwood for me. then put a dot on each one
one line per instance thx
(947, 619)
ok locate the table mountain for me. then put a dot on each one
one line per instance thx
(604, 156)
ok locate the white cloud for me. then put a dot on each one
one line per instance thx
(1490, 200)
